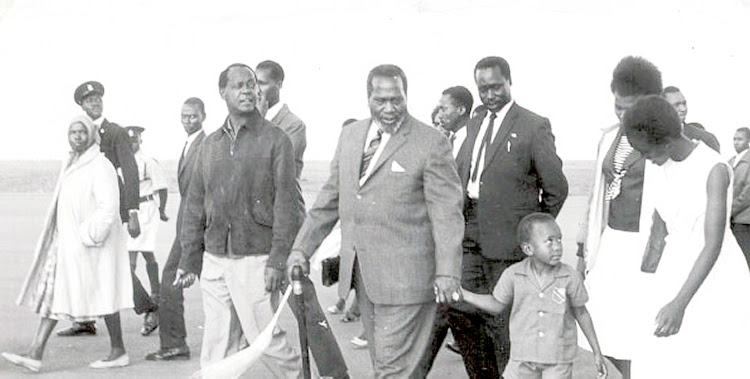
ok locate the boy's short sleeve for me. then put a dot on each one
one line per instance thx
(576, 290)
(503, 291)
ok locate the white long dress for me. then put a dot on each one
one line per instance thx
(712, 341)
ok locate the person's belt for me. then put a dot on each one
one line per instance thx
(146, 198)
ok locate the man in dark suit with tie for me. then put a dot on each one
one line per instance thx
(171, 311)
(114, 142)
(453, 114)
(394, 186)
(509, 168)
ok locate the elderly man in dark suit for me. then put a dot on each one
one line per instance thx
(171, 311)
(740, 218)
(241, 217)
(114, 142)
(509, 168)
(394, 186)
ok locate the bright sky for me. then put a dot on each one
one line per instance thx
(152, 55)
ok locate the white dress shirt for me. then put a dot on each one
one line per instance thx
(738, 157)
(371, 133)
(189, 141)
(459, 136)
(472, 188)
(273, 111)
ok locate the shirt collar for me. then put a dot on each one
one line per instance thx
(98, 122)
(274, 110)
(252, 120)
(739, 156)
(503, 111)
(525, 269)
(193, 136)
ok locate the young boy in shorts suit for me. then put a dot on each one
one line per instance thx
(547, 298)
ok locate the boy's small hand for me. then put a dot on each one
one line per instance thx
(601, 366)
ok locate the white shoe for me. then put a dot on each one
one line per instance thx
(359, 342)
(334, 310)
(120, 361)
(31, 364)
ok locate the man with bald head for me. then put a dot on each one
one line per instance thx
(241, 217)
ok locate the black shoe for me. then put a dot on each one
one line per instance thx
(79, 329)
(452, 346)
(175, 353)
(150, 323)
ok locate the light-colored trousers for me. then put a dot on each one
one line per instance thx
(398, 335)
(236, 303)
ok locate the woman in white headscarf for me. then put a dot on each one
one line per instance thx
(80, 270)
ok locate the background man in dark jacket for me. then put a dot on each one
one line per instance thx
(171, 311)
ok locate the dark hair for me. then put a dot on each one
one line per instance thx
(196, 102)
(652, 120)
(745, 131)
(277, 73)
(636, 76)
(670, 89)
(526, 225)
(223, 76)
(387, 70)
(498, 62)
(348, 121)
(461, 97)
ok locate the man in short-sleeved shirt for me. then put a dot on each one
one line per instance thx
(542, 324)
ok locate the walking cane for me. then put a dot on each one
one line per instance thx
(301, 319)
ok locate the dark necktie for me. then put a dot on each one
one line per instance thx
(371, 149)
(484, 145)
(452, 138)
(182, 156)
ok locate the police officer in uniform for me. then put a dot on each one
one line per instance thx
(151, 209)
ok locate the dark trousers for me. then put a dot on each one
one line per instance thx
(463, 324)
(323, 345)
(742, 234)
(483, 339)
(141, 298)
(171, 309)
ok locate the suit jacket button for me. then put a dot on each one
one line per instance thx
(359, 197)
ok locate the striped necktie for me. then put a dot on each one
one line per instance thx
(371, 149)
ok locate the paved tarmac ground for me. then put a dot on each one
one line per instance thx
(20, 224)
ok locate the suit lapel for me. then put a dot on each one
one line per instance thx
(393, 144)
(281, 115)
(191, 151)
(509, 122)
(463, 160)
(352, 157)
